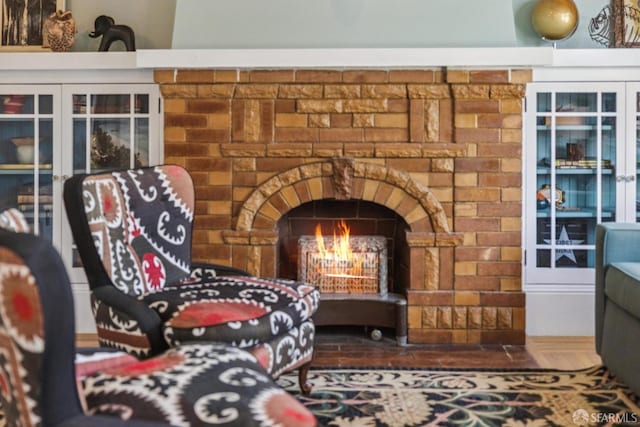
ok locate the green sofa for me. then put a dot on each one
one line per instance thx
(618, 300)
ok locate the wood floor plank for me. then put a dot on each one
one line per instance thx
(355, 349)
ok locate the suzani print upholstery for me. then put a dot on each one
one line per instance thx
(195, 385)
(133, 231)
(13, 220)
(21, 342)
(141, 224)
(242, 310)
(119, 329)
(288, 351)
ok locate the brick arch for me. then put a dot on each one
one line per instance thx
(343, 179)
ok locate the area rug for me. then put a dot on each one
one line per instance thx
(434, 397)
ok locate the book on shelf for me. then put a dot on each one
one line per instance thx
(584, 163)
(28, 208)
(30, 198)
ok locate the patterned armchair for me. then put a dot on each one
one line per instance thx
(133, 231)
(42, 385)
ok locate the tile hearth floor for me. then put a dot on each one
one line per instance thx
(353, 347)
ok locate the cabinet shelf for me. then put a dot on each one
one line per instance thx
(23, 169)
(573, 171)
(575, 127)
(580, 213)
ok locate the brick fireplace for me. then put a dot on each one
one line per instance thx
(436, 151)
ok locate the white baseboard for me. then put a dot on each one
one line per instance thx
(560, 314)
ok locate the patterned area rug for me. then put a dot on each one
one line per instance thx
(426, 397)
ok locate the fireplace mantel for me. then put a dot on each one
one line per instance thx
(505, 57)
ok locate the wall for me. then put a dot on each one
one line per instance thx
(366, 23)
(342, 23)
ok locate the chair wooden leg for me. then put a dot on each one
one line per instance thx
(303, 371)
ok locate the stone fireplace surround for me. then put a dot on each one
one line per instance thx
(440, 147)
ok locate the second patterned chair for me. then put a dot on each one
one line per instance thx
(45, 383)
(133, 231)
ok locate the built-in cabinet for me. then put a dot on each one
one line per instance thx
(581, 167)
(575, 133)
(51, 132)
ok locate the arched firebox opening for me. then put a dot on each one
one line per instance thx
(384, 307)
(363, 219)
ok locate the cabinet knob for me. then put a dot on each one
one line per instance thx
(620, 178)
(630, 178)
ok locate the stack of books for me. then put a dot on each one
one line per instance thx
(584, 163)
(26, 199)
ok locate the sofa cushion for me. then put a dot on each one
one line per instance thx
(241, 310)
(622, 285)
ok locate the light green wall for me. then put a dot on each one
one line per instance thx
(365, 23)
(193, 24)
(342, 23)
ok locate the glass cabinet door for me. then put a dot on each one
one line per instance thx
(110, 131)
(111, 127)
(26, 155)
(577, 147)
(633, 132)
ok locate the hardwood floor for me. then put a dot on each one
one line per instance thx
(353, 347)
(356, 348)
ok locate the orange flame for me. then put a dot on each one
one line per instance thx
(341, 247)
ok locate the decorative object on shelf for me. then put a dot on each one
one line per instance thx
(545, 192)
(554, 20)
(106, 27)
(12, 104)
(59, 31)
(601, 27)
(564, 240)
(106, 154)
(25, 149)
(575, 151)
(541, 201)
(22, 23)
(617, 25)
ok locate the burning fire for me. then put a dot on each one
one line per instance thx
(340, 258)
(341, 247)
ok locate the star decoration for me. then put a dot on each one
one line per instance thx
(565, 240)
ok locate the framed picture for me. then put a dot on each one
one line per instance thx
(626, 23)
(22, 22)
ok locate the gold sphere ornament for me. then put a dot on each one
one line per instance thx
(554, 20)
